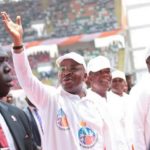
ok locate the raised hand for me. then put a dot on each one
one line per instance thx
(15, 30)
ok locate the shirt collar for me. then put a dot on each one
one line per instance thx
(69, 95)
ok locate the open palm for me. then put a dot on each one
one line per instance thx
(14, 29)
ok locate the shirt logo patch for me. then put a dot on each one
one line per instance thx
(87, 137)
(62, 121)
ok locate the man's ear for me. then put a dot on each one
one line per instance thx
(85, 76)
(87, 81)
(89, 78)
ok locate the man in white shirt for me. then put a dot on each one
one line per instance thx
(70, 120)
(100, 77)
(140, 93)
(121, 109)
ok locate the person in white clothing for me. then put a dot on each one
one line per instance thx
(100, 77)
(70, 120)
(121, 110)
(118, 83)
(140, 93)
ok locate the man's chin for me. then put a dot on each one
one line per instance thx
(68, 89)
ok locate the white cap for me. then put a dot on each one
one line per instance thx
(118, 74)
(147, 53)
(98, 63)
(74, 56)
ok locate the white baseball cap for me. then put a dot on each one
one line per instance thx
(74, 56)
(98, 63)
(118, 74)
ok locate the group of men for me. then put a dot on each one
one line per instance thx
(73, 117)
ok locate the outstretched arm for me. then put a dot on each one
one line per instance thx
(29, 83)
(14, 29)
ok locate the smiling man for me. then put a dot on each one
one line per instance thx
(118, 83)
(120, 106)
(100, 77)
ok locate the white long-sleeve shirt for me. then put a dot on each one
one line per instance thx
(141, 116)
(69, 122)
(116, 113)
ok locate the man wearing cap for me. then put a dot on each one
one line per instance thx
(120, 108)
(99, 75)
(70, 120)
(140, 93)
(118, 83)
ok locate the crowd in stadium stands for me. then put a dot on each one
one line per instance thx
(82, 17)
(67, 18)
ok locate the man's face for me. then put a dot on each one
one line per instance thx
(5, 76)
(71, 76)
(101, 80)
(118, 85)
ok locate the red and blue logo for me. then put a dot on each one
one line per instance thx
(87, 137)
(62, 121)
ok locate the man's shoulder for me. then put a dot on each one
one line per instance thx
(11, 109)
(91, 95)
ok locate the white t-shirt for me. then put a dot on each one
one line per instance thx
(141, 116)
(69, 122)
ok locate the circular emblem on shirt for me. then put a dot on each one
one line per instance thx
(87, 137)
(62, 121)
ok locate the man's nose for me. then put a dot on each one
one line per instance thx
(67, 71)
(7, 68)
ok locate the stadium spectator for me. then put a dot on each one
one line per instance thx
(70, 119)
(63, 19)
